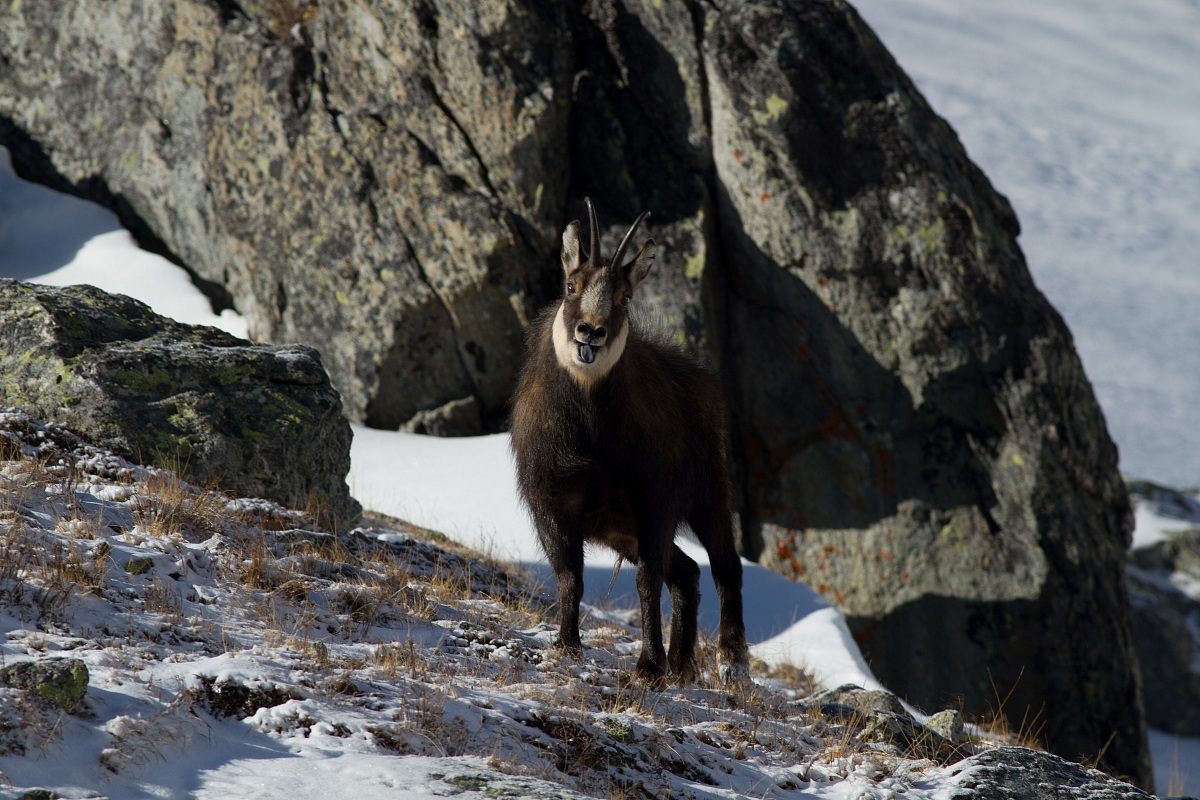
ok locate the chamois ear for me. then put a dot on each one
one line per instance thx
(571, 248)
(639, 267)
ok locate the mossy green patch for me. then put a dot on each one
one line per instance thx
(933, 237)
(228, 374)
(146, 380)
(139, 566)
(467, 783)
(774, 108)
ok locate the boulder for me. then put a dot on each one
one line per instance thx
(915, 435)
(919, 439)
(260, 421)
(382, 179)
(1018, 773)
(913, 432)
(879, 717)
(62, 682)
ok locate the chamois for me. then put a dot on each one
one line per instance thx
(619, 439)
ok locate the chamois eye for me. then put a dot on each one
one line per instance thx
(570, 288)
(625, 300)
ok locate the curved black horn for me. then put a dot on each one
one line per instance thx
(617, 256)
(594, 241)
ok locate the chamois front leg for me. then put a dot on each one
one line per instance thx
(570, 592)
(564, 550)
(655, 538)
(652, 663)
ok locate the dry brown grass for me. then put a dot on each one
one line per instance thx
(1000, 724)
(790, 677)
(164, 598)
(168, 507)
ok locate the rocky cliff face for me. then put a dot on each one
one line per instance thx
(914, 433)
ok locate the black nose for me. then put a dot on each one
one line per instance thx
(586, 331)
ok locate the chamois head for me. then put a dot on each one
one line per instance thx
(592, 324)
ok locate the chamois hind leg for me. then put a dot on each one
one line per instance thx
(683, 579)
(714, 530)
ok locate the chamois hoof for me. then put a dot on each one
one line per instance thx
(684, 674)
(650, 672)
(735, 674)
(571, 649)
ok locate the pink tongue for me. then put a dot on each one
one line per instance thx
(586, 354)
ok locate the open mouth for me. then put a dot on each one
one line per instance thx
(587, 352)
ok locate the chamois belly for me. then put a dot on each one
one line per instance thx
(608, 520)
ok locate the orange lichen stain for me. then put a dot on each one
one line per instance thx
(832, 549)
(887, 555)
(738, 156)
(783, 550)
(797, 567)
(904, 576)
(884, 478)
(823, 587)
(841, 598)
(764, 197)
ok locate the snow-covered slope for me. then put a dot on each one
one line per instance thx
(233, 652)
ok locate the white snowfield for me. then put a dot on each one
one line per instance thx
(1085, 114)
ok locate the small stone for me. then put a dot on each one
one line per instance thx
(948, 724)
(139, 566)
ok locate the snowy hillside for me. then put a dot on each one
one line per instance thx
(233, 651)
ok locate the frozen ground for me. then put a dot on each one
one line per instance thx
(234, 652)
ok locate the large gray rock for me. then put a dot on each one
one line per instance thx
(914, 434)
(917, 438)
(260, 421)
(382, 179)
(1017, 773)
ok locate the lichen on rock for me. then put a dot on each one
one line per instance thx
(62, 682)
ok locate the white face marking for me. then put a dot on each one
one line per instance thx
(596, 299)
(566, 350)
